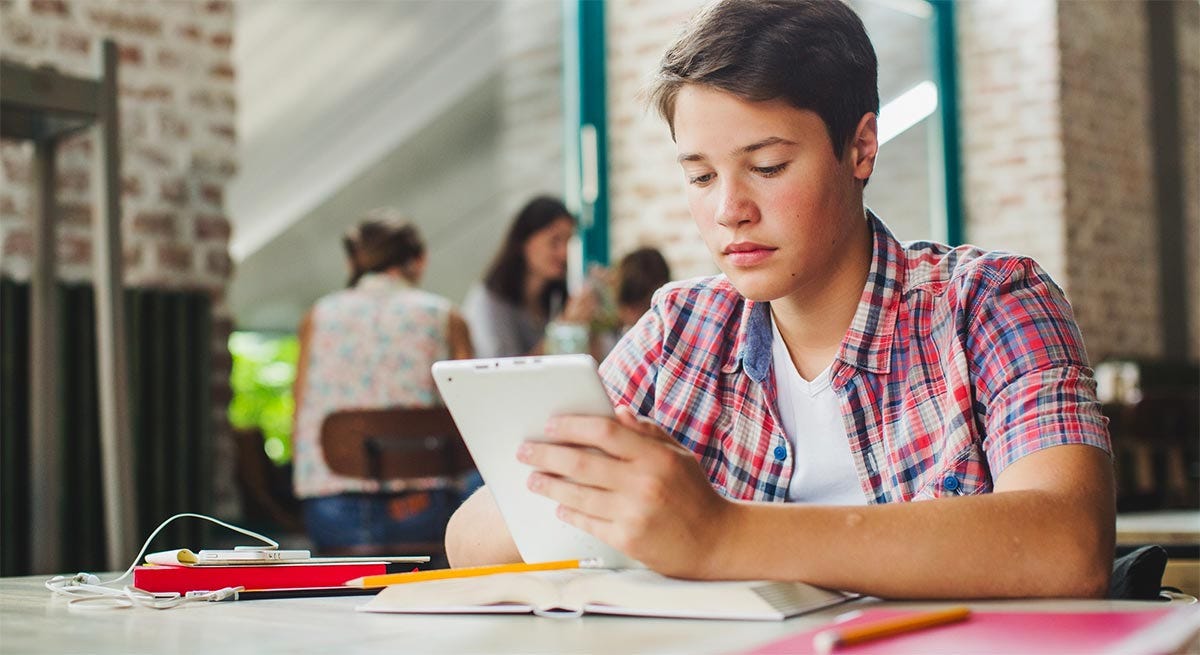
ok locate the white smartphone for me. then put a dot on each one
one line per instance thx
(250, 556)
(499, 403)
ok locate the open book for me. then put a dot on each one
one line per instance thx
(632, 592)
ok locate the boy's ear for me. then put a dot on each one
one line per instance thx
(865, 147)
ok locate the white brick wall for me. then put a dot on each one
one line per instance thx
(647, 205)
(177, 109)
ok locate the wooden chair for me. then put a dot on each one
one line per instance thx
(384, 444)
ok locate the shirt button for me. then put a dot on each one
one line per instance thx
(780, 453)
(950, 483)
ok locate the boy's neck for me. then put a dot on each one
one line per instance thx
(813, 322)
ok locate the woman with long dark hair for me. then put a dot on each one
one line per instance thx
(526, 285)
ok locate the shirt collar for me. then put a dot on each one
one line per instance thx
(381, 282)
(867, 344)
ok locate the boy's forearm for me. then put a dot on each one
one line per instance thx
(1024, 543)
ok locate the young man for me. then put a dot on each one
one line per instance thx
(772, 422)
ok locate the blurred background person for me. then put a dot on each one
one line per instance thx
(639, 274)
(371, 346)
(526, 285)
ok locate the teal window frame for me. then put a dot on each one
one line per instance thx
(586, 122)
(946, 58)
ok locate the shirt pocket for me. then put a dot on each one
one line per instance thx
(918, 437)
(965, 474)
(948, 461)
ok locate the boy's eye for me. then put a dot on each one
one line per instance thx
(700, 179)
(769, 171)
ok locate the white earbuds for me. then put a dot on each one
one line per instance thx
(84, 587)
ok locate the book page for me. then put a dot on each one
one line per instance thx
(507, 593)
(645, 593)
(634, 592)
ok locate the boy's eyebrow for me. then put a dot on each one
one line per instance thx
(757, 145)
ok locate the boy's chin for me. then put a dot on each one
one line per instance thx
(753, 287)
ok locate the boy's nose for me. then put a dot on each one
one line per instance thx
(735, 207)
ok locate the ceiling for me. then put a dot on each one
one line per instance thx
(346, 105)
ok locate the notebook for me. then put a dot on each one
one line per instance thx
(632, 592)
(1147, 631)
(274, 577)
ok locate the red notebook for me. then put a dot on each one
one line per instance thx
(183, 579)
(1153, 631)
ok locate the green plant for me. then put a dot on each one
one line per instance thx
(264, 368)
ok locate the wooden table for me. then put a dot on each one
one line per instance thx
(34, 621)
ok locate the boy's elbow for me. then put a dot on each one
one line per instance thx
(1088, 568)
(1072, 573)
(1092, 579)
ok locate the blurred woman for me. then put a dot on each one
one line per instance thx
(371, 346)
(526, 285)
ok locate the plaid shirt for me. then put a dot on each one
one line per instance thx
(958, 362)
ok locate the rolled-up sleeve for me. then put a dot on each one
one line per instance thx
(1033, 386)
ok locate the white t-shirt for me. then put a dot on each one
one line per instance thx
(823, 472)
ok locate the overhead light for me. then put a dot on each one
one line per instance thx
(908, 109)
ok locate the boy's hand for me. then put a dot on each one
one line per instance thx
(630, 484)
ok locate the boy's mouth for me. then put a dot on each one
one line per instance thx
(747, 253)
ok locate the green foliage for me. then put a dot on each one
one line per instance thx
(264, 368)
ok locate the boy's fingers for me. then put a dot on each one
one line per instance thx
(605, 434)
(582, 465)
(622, 437)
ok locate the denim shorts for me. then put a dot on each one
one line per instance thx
(355, 519)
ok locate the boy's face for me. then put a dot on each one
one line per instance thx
(777, 210)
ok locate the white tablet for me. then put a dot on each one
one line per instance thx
(499, 403)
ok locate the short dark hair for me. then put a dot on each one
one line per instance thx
(506, 276)
(639, 274)
(812, 54)
(382, 239)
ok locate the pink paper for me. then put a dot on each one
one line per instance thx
(1028, 633)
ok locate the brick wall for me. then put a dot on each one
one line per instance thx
(177, 109)
(1011, 135)
(1187, 36)
(1110, 219)
(1057, 152)
(647, 204)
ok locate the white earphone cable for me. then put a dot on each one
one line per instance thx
(87, 588)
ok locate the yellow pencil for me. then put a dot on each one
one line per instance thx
(468, 572)
(826, 640)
